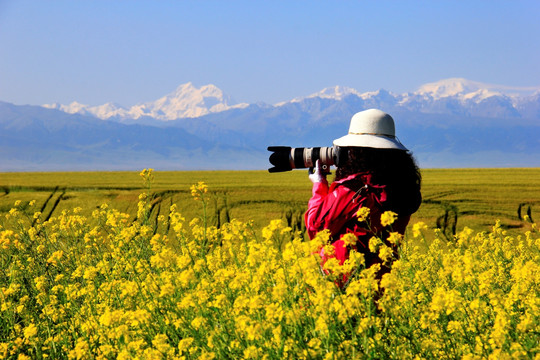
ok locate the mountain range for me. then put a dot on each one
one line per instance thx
(448, 123)
(186, 101)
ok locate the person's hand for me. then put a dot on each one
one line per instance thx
(316, 174)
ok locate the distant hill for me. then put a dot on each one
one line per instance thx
(33, 138)
(450, 123)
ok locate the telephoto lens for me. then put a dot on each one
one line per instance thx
(285, 158)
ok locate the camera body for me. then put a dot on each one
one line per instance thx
(286, 158)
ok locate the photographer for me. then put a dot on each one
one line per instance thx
(379, 174)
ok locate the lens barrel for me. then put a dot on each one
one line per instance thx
(285, 158)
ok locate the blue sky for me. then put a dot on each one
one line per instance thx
(130, 52)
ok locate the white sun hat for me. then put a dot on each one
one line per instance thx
(371, 128)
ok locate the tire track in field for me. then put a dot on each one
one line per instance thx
(433, 197)
(70, 188)
(528, 205)
(55, 205)
(48, 199)
(45, 203)
(156, 200)
(447, 222)
(156, 222)
(169, 220)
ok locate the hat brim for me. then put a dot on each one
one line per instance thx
(371, 141)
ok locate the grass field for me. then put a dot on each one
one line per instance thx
(452, 198)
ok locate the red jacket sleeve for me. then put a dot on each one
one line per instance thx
(328, 208)
(319, 193)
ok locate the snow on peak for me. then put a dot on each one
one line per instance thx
(108, 110)
(450, 87)
(72, 108)
(464, 89)
(187, 101)
(334, 92)
(55, 106)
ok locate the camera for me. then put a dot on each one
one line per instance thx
(286, 158)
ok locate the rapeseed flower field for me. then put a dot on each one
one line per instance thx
(107, 287)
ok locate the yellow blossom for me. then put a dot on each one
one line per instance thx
(81, 350)
(388, 218)
(184, 344)
(374, 244)
(395, 238)
(55, 257)
(198, 190)
(349, 239)
(385, 253)
(362, 214)
(418, 228)
(30, 331)
(147, 176)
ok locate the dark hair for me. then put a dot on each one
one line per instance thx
(391, 167)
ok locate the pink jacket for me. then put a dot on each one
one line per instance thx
(335, 209)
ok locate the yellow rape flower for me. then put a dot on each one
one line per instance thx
(81, 350)
(332, 265)
(418, 228)
(388, 218)
(251, 352)
(329, 250)
(197, 322)
(356, 258)
(90, 273)
(385, 254)
(161, 342)
(55, 257)
(147, 176)
(395, 238)
(362, 214)
(30, 331)
(374, 244)
(166, 290)
(198, 190)
(185, 344)
(349, 239)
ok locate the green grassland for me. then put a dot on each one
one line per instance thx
(453, 198)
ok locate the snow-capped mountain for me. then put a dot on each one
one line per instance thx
(471, 92)
(104, 111)
(187, 101)
(449, 96)
(458, 87)
(449, 123)
(334, 93)
(464, 97)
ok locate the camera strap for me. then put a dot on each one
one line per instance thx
(360, 192)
